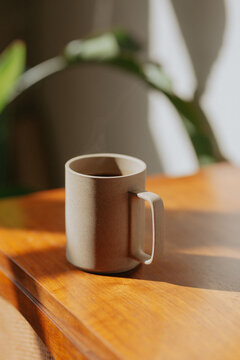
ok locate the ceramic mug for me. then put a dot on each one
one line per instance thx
(105, 213)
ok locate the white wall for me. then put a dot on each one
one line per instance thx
(199, 45)
(167, 46)
(221, 99)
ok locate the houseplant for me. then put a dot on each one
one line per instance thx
(116, 49)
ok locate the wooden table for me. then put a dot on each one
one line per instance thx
(185, 306)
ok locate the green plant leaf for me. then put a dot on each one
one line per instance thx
(12, 63)
(100, 48)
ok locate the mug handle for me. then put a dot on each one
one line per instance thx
(157, 211)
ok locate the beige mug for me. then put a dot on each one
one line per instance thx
(105, 213)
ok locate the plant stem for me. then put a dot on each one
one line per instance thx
(38, 73)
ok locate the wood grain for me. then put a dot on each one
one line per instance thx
(184, 306)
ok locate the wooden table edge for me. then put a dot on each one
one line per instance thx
(79, 339)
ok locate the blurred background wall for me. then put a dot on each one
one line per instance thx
(94, 109)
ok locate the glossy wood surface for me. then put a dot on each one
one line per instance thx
(184, 306)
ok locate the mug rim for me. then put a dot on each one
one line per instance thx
(110, 155)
